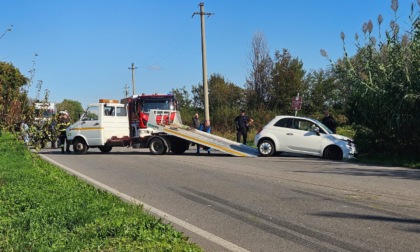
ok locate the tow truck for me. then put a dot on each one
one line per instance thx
(144, 121)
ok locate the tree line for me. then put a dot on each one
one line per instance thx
(374, 95)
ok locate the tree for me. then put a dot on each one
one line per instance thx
(184, 102)
(384, 84)
(183, 97)
(259, 79)
(14, 105)
(287, 81)
(322, 89)
(225, 100)
(74, 108)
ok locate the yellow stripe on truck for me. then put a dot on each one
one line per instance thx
(91, 128)
(205, 143)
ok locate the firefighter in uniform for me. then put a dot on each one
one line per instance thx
(62, 125)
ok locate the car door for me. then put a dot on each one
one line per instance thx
(115, 122)
(300, 138)
(90, 126)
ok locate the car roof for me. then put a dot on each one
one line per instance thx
(295, 117)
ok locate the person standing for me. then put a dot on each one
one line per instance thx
(242, 123)
(329, 121)
(206, 128)
(62, 125)
(196, 121)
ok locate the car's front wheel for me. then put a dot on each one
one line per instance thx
(266, 147)
(333, 153)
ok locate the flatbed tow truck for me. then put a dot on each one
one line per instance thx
(109, 124)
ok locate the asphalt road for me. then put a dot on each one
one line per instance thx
(280, 203)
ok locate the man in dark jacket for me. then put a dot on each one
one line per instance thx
(196, 121)
(329, 121)
(242, 126)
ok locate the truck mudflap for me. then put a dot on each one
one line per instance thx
(174, 127)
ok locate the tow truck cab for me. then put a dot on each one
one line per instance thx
(100, 122)
(109, 123)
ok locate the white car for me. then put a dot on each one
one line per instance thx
(304, 136)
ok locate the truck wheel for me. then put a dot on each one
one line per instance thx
(79, 146)
(157, 146)
(179, 147)
(105, 149)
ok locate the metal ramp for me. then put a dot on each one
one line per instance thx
(170, 122)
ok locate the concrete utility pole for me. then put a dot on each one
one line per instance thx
(203, 51)
(126, 90)
(132, 77)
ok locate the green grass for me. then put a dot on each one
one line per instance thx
(403, 160)
(43, 208)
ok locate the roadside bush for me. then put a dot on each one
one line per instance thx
(384, 83)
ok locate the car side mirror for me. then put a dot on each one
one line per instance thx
(316, 130)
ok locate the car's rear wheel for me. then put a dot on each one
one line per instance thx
(266, 148)
(333, 153)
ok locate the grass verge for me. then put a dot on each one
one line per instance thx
(402, 160)
(44, 209)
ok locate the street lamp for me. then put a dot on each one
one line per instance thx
(7, 30)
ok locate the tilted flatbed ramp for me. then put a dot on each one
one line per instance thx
(175, 127)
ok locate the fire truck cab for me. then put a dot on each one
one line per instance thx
(139, 106)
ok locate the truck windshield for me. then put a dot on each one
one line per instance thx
(155, 104)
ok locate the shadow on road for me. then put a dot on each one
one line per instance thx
(401, 173)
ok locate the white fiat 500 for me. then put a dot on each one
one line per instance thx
(304, 136)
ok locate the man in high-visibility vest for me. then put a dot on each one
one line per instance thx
(62, 125)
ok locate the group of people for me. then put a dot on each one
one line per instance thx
(49, 129)
(203, 127)
(242, 123)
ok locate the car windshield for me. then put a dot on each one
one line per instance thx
(325, 128)
(155, 104)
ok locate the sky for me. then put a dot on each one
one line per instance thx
(82, 49)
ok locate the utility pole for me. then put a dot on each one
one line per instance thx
(126, 90)
(132, 77)
(203, 51)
